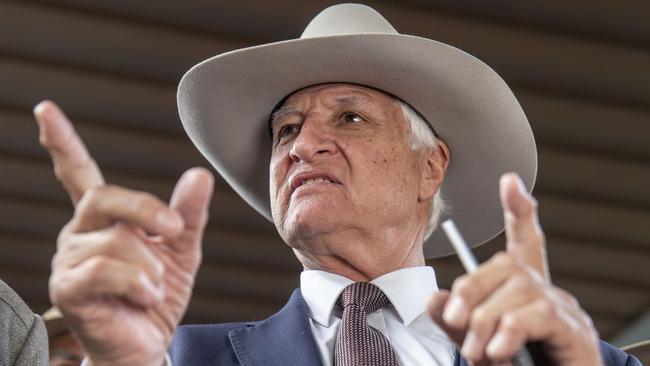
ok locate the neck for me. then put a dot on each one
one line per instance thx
(362, 258)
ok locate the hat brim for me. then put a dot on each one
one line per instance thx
(225, 102)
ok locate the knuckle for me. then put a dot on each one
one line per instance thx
(89, 200)
(56, 261)
(574, 327)
(521, 280)
(118, 238)
(548, 310)
(503, 259)
(94, 194)
(59, 172)
(524, 284)
(511, 324)
(571, 300)
(63, 238)
(97, 267)
(462, 287)
(144, 201)
(53, 289)
(135, 282)
(480, 320)
(530, 206)
(59, 287)
(509, 321)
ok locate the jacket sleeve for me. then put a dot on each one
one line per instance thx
(23, 338)
(35, 349)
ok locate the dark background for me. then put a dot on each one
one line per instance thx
(581, 70)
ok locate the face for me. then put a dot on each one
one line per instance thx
(342, 165)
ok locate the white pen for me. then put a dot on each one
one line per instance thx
(521, 358)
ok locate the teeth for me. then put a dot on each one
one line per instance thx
(316, 180)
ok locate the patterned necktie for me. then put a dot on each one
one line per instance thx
(358, 344)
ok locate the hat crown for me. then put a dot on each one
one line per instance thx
(347, 19)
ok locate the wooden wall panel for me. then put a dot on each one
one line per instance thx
(581, 70)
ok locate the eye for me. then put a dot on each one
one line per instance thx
(351, 117)
(288, 130)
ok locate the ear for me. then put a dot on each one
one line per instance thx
(433, 173)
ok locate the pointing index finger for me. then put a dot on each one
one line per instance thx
(525, 237)
(73, 165)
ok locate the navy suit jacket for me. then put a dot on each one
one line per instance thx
(284, 339)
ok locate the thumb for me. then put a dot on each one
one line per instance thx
(524, 235)
(191, 199)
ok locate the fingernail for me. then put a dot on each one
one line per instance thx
(496, 345)
(41, 127)
(39, 107)
(470, 349)
(520, 184)
(168, 221)
(455, 312)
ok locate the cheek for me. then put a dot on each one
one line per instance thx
(277, 175)
(394, 171)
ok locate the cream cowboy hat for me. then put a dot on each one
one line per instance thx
(225, 103)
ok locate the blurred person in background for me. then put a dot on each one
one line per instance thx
(23, 339)
(64, 348)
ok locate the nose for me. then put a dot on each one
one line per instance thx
(313, 141)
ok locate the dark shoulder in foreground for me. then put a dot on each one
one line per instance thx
(612, 356)
(23, 339)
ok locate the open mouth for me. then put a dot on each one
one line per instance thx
(302, 180)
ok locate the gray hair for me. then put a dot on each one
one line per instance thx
(422, 137)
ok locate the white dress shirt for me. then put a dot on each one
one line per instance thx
(416, 339)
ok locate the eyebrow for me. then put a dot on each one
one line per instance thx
(279, 113)
(283, 111)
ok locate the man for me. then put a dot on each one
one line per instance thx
(64, 348)
(23, 340)
(364, 124)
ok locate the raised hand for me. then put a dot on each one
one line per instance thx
(125, 264)
(509, 300)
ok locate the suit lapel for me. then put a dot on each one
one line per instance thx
(283, 339)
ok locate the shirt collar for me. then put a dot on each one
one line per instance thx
(320, 290)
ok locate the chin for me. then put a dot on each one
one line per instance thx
(307, 222)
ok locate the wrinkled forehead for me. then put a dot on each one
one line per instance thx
(333, 95)
(338, 93)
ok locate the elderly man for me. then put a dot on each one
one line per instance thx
(364, 123)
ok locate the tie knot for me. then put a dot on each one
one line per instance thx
(365, 295)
